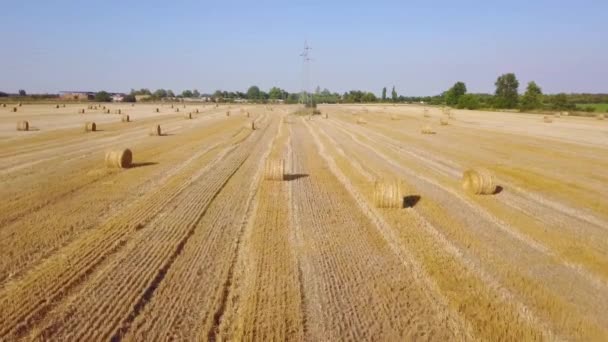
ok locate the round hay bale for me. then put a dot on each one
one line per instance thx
(478, 181)
(14, 109)
(81, 111)
(600, 116)
(118, 111)
(394, 117)
(326, 116)
(57, 106)
(427, 130)
(361, 121)
(23, 126)
(565, 113)
(90, 127)
(125, 118)
(119, 159)
(107, 111)
(274, 170)
(443, 121)
(227, 113)
(158, 110)
(388, 194)
(188, 116)
(172, 106)
(64, 105)
(155, 131)
(557, 115)
(132, 104)
(196, 110)
(248, 115)
(547, 119)
(20, 104)
(253, 125)
(4, 105)
(177, 110)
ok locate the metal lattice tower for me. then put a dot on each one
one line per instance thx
(304, 95)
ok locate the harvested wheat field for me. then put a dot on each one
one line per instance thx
(493, 228)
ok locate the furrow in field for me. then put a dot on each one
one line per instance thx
(265, 301)
(358, 283)
(22, 243)
(197, 291)
(531, 285)
(30, 298)
(559, 239)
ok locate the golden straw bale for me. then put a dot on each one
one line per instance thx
(253, 125)
(227, 113)
(23, 126)
(188, 116)
(361, 121)
(274, 170)
(428, 130)
(158, 110)
(125, 118)
(14, 109)
(90, 127)
(547, 119)
(388, 194)
(443, 121)
(600, 116)
(478, 181)
(155, 131)
(119, 159)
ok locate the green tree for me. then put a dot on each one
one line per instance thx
(187, 93)
(170, 93)
(129, 98)
(253, 93)
(394, 95)
(160, 94)
(532, 98)
(275, 93)
(453, 95)
(103, 96)
(196, 93)
(468, 101)
(560, 102)
(384, 94)
(22, 92)
(368, 97)
(506, 91)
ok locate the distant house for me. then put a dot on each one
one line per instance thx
(76, 95)
(118, 97)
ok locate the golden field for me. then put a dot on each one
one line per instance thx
(201, 240)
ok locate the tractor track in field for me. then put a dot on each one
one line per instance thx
(359, 326)
(44, 285)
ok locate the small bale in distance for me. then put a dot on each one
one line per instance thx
(478, 181)
(119, 159)
(177, 110)
(427, 130)
(188, 116)
(600, 116)
(547, 119)
(23, 126)
(156, 131)
(196, 110)
(81, 111)
(326, 116)
(14, 109)
(443, 121)
(253, 125)
(20, 104)
(125, 118)
(361, 121)
(57, 106)
(248, 114)
(90, 127)
(118, 111)
(4, 105)
(388, 194)
(274, 170)
(394, 117)
(158, 110)
(227, 113)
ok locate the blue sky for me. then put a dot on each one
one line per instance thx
(421, 47)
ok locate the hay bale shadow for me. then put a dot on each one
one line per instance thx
(498, 190)
(410, 201)
(142, 164)
(294, 176)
